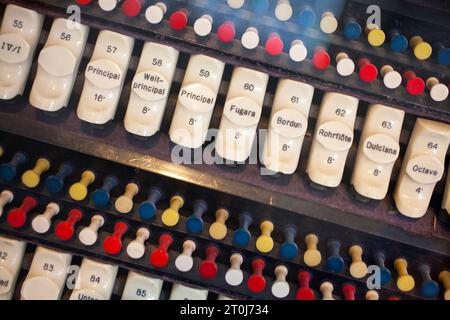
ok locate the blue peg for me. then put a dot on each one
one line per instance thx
(147, 209)
(335, 263)
(289, 248)
(194, 223)
(242, 236)
(352, 29)
(260, 6)
(55, 183)
(443, 55)
(385, 273)
(399, 42)
(9, 170)
(306, 17)
(101, 197)
(430, 288)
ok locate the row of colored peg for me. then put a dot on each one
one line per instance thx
(312, 257)
(226, 32)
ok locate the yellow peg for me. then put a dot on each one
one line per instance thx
(375, 36)
(312, 256)
(218, 230)
(79, 190)
(31, 178)
(358, 268)
(372, 295)
(405, 282)
(1, 151)
(444, 277)
(264, 243)
(124, 203)
(422, 50)
(170, 216)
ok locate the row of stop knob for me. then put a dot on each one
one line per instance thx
(88, 235)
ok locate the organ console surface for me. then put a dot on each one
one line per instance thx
(224, 150)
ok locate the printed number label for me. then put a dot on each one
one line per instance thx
(432, 145)
(204, 73)
(340, 112)
(18, 24)
(157, 62)
(141, 292)
(3, 255)
(249, 87)
(65, 36)
(111, 49)
(94, 278)
(48, 267)
(386, 125)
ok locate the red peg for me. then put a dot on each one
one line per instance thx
(113, 243)
(274, 44)
(18, 216)
(304, 292)
(65, 229)
(208, 268)
(321, 59)
(256, 282)
(367, 71)
(159, 258)
(179, 19)
(132, 8)
(84, 2)
(349, 291)
(226, 31)
(414, 84)
(393, 298)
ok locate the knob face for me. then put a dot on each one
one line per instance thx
(430, 289)
(289, 251)
(335, 264)
(178, 20)
(415, 86)
(241, 237)
(101, 198)
(274, 45)
(64, 231)
(226, 32)
(147, 210)
(194, 224)
(305, 294)
(256, 283)
(321, 60)
(368, 72)
(234, 277)
(385, 276)
(159, 258)
(352, 30)
(208, 269)
(18, 217)
(54, 184)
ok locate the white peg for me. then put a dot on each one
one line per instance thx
(203, 25)
(344, 65)
(438, 91)
(250, 38)
(283, 10)
(88, 236)
(328, 23)
(235, 4)
(41, 223)
(5, 197)
(108, 5)
(136, 248)
(392, 79)
(280, 287)
(184, 261)
(234, 275)
(298, 51)
(155, 13)
(327, 290)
